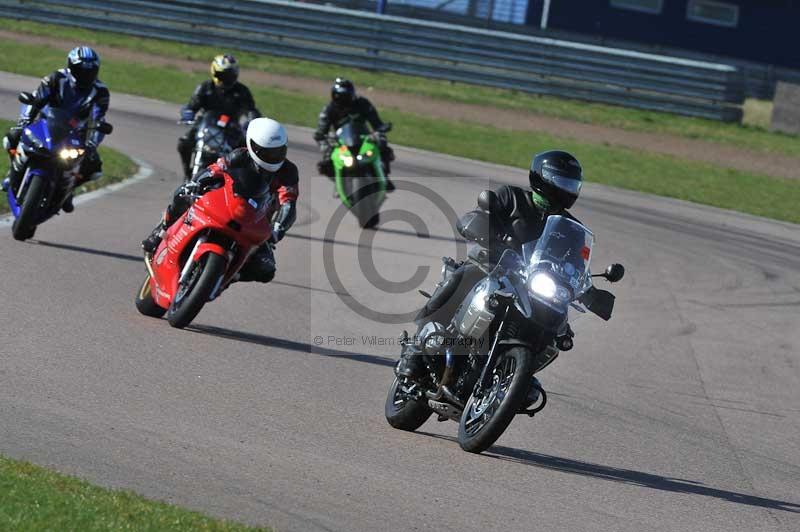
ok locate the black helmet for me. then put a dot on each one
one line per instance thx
(557, 176)
(343, 92)
(83, 64)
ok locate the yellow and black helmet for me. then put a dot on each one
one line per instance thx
(224, 70)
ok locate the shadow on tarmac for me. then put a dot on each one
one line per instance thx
(292, 345)
(626, 476)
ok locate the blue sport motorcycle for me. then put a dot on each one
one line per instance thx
(52, 148)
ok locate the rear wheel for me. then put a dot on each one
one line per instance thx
(145, 303)
(196, 290)
(24, 226)
(486, 418)
(402, 410)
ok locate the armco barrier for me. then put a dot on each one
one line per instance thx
(422, 48)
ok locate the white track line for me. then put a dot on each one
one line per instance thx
(144, 172)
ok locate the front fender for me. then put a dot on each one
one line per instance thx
(209, 247)
(517, 342)
(13, 201)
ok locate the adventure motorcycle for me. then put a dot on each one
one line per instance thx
(53, 146)
(511, 325)
(217, 135)
(358, 172)
(202, 252)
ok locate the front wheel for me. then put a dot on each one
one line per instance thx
(486, 418)
(402, 410)
(196, 290)
(24, 226)
(145, 303)
(366, 202)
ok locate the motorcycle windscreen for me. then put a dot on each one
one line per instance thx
(562, 254)
(60, 123)
(349, 135)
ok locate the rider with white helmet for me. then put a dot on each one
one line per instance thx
(260, 170)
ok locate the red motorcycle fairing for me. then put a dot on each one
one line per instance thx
(217, 219)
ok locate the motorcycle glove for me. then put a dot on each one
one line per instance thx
(278, 232)
(187, 115)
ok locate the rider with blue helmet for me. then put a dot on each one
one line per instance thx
(74, 87)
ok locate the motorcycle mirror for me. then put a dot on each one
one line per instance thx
(385, 128)
(105, 128)
(26, 98)
(614, 273)
(488, 201)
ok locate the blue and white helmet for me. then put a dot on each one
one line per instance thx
(83, 64)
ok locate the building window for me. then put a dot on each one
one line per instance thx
(717, 13)
(645, 6)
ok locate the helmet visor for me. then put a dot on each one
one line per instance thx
(84, 73)
(269, 155)
(569, 185)
(227, 77)
(343, 97)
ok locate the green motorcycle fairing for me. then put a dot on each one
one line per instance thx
(344, 163)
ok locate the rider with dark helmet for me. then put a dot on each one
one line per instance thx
(519, 215)
(261, 170)
(346, 105)
(74, 87)
(221, 94)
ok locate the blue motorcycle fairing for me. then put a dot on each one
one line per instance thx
(42, 141)
(12, 199)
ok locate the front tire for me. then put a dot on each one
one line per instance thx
(365, 201)
(196, 291)
(145, 303)
(24, 226)
(402, 412)
(484, 420)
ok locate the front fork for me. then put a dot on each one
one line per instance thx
(485, 381)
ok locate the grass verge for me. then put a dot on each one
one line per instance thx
(35, 498)
(656, 174)
(753, 135)
(116, 167)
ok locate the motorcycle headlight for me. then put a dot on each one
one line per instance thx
(69, 153)
(544, 286)
(347, 160)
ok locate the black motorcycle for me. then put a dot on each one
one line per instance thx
(217, 135)
(512, 324)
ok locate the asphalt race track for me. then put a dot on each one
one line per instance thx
(681, 413)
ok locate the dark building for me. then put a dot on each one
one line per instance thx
(765, 31)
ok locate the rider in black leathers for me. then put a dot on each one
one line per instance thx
(555, 179)
(221, 94)
(346, 105)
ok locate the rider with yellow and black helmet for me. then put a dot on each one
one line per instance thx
(221, 94)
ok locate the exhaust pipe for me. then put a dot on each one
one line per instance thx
(449, 374)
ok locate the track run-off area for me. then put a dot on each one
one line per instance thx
(681, 413)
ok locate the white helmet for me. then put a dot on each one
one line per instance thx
(266, 142)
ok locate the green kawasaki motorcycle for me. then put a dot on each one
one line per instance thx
(358, 170)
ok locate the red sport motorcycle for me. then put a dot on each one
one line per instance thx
(202, 252)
